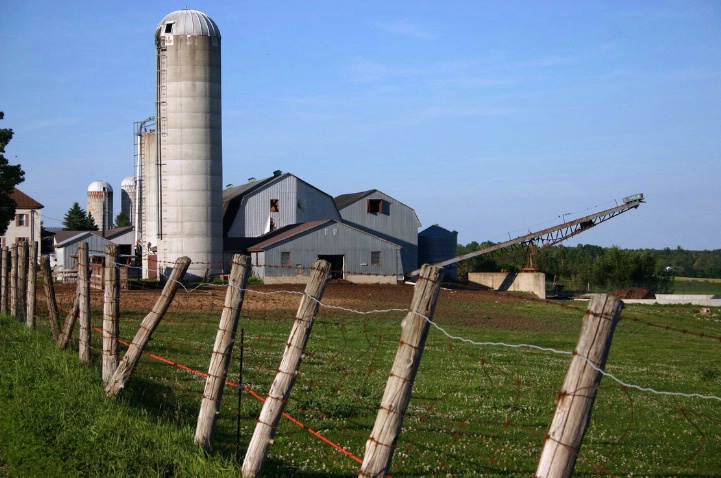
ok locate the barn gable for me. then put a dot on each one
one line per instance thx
(377, 213)
(260, 207)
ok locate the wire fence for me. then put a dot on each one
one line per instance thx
(482, 400)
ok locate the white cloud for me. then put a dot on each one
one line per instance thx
(405, 28)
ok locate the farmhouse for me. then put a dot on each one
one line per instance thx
(26, 226)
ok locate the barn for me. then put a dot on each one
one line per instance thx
(355, 255)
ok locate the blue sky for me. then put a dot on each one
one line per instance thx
(491, 118)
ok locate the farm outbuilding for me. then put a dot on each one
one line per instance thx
(381, 215)
(354, 255)
(66, 244)
(437, 244)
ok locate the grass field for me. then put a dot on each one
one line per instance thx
(693, 285)
(476, 410)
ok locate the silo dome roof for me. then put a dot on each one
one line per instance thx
(187, 22)
(128, 182)
(99, 186)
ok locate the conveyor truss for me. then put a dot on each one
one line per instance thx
(548, 237)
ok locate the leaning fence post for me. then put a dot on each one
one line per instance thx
(147, 327)
(4, 279)
(47, 275)
(220, 359)
(575, 399)
(69, 324)
(84, 303)
(285, 378)
(32, 284)
(111, 312)
(14, 280)
(382, 441)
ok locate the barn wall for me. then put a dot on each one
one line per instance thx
(333, 239)
(397, 223)
(96, 247)
(298, 202)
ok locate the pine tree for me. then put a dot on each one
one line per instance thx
(76, 219)
(122, 220)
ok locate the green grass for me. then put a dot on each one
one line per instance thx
(476, 410)
(56, 421)
(692, 285)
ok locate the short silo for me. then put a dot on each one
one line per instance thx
(127, 198)
(100, 204)
(437, 244)
(189, 142)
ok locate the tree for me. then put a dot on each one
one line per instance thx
(122, 220)
(76, 219)
(46, 239)
(10, 176)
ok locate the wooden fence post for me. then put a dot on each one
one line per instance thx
(84, 303)
(147, 327)
(285, 378)
(32, 284)
(575, 399)
(4, 279)
(69, 324)
(22, 282)
(47, 275)
(14, 280)
(382, 441)
(111, 312)
(220, 359)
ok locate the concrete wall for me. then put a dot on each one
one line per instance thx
(534, 282)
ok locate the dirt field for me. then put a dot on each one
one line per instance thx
(360, 297)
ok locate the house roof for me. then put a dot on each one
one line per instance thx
(347, 199)
(287, 232)
(62, 237)
(23, 201)
(297, 229)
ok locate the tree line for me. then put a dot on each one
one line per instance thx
(610, 267)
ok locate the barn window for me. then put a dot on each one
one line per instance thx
(274, 205)
(375, 206)
(375, 258)
(285, 258)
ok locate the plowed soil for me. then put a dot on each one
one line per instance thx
(358, 297)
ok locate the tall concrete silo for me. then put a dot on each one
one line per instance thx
(100, 204)
(189, 142)
(127, 197)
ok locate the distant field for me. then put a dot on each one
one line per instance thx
(694, 285)
(696, 279)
